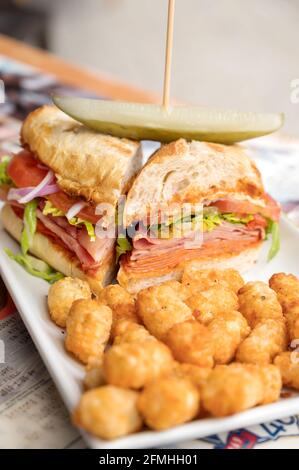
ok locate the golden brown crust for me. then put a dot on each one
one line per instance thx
(96, 166)
(192, 172)
(57, 257)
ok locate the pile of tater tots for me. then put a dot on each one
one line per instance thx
(209, 345)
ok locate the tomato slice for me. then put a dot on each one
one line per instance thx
(64, 202)
(24, 171)
(272, 210)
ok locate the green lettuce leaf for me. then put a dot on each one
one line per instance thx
(273, 229)
(123, 245)
(4, 178)
(29, 225)
(30, 264)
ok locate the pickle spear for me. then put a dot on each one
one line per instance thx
(153, 122)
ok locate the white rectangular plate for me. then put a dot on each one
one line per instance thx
(29, 295)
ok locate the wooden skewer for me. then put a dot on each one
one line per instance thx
(168, 56)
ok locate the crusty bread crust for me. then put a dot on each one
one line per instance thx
(60, 259)
(193, 172)
(243, 261)
(98, 167)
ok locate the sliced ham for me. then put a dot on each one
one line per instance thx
(146, 246)
(158, 254)
(99, 248)
(84, 257)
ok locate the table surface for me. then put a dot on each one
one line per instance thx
(71, 74)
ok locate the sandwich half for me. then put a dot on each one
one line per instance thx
(53, 190)
(229, 213)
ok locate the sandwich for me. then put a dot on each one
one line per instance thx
(230, 214)
(53, 189)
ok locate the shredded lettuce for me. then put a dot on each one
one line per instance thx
(273, 229)
(88, 225)
(4, 178)
(235, 219)
(49, 209)
(123, 245)
(30, 264)
(29, 228)
(210, 218)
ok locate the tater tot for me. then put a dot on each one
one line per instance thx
(237, 387)
(292, 319)
(132, 365)
(288, 364)
(267, 339)
(259, 302)
(197, 375)
(94, 374)
(133, 333)
(121, 303)
(228, 331)
(206, 304)
(231, 389)
(272, 382)
(61, 296)
(202, 279)
(88, 328)
(161, 307)
(108, 412)
(286, 287)
(192, 343)
(168, 401)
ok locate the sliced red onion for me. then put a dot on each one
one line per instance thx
(75, 209)
(40, 189)
(17, 194)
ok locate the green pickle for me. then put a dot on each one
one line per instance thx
(153, 122)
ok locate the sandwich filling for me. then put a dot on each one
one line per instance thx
(228, 226)
(32, 191)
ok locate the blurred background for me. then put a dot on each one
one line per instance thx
(227, 53)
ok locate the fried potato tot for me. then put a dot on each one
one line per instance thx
(292, 319)
(132, 365)
(192, 343)
(121, 303)
(217, 299)
(197, 375)
(259, 302)
(202, 279)
(271, 377)
(61, 296)
(168, 401)
(288, 364)
(286, 287)
(228, 331)
(88, 328)
(94, 374)
(108, 412)
(160, 307)
(267, 339)
(132, 333)
(237, 387)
